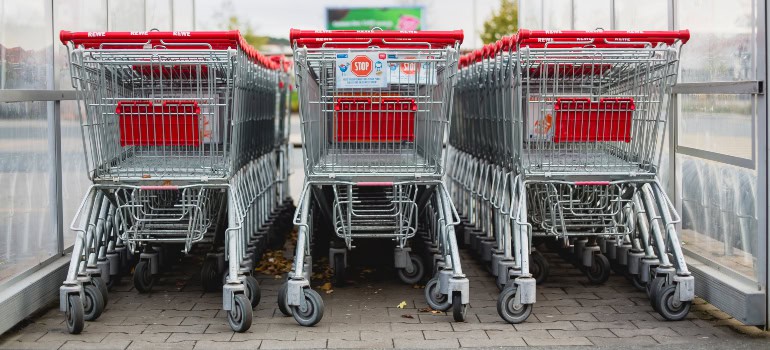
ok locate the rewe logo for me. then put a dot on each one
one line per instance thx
(361, 66)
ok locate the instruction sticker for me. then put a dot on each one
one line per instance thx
(411, 70)
(361, 70)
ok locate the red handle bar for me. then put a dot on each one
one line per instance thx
(430, 36)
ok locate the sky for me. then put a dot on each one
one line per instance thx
(275, 17)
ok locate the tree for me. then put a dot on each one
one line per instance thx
(247, 32)
(503, 22)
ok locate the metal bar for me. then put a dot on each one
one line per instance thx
(37, 95)
(717, 157)
(721, 87)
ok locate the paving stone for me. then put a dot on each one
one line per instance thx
(569, 317)
(152, 320)
(425, 344)
(500, 326)
(531, 341)
(600, 332)
(229, 345)
(347, 335)
(474, 334)
(254, 335)
(662, 331)
(638, 340)
(294, 344)
(488, 343)
(503, 335)
(360, 344)
(32, 345)
(179, 337)
(175, 329)
(143, 345)
(78, 345)
(23, 336)
(668, 340)
(564, 325)
(146, 337)
(373, 335)
(396, 327)
(582, 325)
(604, 309)
(62, 336)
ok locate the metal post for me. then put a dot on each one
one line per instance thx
(762, 148)
(54, 146)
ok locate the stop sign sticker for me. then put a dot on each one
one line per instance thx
(361, 70)
(361, 66)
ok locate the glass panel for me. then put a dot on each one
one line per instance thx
(25, 44)
(641, 15)
(721, 47)
(74, 176)
(557, 14)
(26, 234)
(74, 15)
(531, 14)
(719, 216)
(717, 123)
(183, 12)
(126, 15)
(158, 14)
(592, 14)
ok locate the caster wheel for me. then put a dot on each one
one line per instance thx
(599, 272)
(240, 316)
(434, 298)
(313, 310)
(669, 305)
(143, 279)
(539, 267)
(282, 306)
(253, 291)
(210, 278)
(459, 310)
(415, 274)
(74, 314)
(636, 281)
(508, 309)
(101, 286)
(339, 269)
(93, 303)
(653, 288)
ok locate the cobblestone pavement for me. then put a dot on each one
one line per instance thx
(364, 314)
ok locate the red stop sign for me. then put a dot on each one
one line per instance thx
(361, 66)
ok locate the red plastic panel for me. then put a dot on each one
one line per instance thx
(583, 120)
(177, 71)
(173, 123)
(384, 120)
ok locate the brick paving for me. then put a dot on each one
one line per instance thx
(364, 314)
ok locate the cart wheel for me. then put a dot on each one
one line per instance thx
(653, 288)
(313, 310)
(508, 309)
(599, 272)
(93, 305)
(339, 269)
(434, 298)
(143, 279)
(459, 310)
(669, 305)
(415, 274)
(210, 278)
(253, 291)
(282, 305)
(102, 286)
(636, 280)
(539, 267)
(74, 314)
(240, 316)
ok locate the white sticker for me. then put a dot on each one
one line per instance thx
(411, 70)
(539, 120)
(361, 70)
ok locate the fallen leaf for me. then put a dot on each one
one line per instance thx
(407, 316)
(330, 291)
(425, 309)
(326, 287)
(435, 312)
(402, 305)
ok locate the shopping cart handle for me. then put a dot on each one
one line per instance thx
(159, 188)
(412, 35)
(128, 37)
(668, 36)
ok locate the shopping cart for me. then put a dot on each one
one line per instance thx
(179, 137)
(374, 110)
(563, 130)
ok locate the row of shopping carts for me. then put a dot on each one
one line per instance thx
(556, 140)
(185, 137)
(374, 112)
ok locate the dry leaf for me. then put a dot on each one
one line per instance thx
(330, 291)
(326, 287)
(402, 305)
(407, 316)
(425, 309)
(435, 312)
